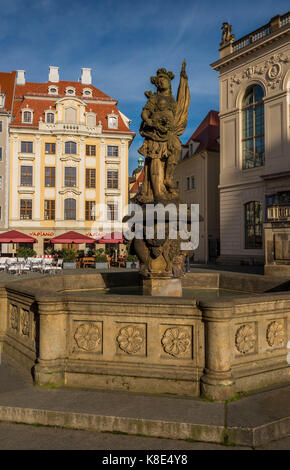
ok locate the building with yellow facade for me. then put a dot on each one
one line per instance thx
(68, 159)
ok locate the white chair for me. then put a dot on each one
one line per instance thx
(57, 267)
(14, 268)
(47, 265)
(2, 264)
(36, 264)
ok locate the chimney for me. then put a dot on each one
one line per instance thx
(53, 75)
(20, 77)
(86, 77)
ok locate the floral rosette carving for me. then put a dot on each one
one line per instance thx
(245, 338)
(175, 341)
(87, 336)
(130, 339)
(14, 317)
(25, 322)
(275, 334)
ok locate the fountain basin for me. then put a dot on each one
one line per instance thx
(72, 334)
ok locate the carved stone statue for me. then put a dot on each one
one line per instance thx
(227, 35)
(163, 121)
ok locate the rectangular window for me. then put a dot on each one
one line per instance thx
(112, 179)
(26, 175)
(187, 183)
(112, 212)
(25, 209)
(90, 178)
(0, 154)
(70, 177)
(26, 147)
(113, 151)
(90, 210)
(192, 182)
(91, 150)
(49, 148)
(0, 126)
(49, 209)
(50, 176)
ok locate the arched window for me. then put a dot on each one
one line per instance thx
(50, 118)
(253, 128)
(253, 225)
(71, 148)
(69, 209)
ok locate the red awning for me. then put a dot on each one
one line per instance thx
(114, 237)
(13, 236)
(72, 237)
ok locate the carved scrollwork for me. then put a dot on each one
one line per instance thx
(276, 334)
(245, 338)
(176, 341)
(87, 336)
(130, 339)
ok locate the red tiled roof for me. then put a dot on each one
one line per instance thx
(41, 105)
(207, 134)
(7, 85)
(31, 88)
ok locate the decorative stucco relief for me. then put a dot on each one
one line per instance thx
(271, 72)
(276, 334)
(87, 336)
(130, 339)
(245, 338)
(176, 341)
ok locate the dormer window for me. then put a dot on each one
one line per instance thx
(87, 92)
(50, 118)
(112, 121)
(70, 91)
(27, 116)
(2, 100)
(53, 90)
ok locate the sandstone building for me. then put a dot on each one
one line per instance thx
(254, 74)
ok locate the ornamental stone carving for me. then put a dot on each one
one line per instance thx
(14, 317)
(25, 322)
(276, 334)
(245, 338)
(176, 341)
(130, 339)
(87, 336)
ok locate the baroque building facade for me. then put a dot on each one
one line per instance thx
(68, 159)
(254, 74)
(197, 177)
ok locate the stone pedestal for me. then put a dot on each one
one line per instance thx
(162, 287)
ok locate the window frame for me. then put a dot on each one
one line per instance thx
(258, 161)
(49, 177)
(26, 175)
(90, 150)
(70, 209)
(111, 181)
(49, 145)
(70, 145)
(27, 207)
(89, 207)
(110, 151)
(112, 211)
(25, 146)
(90, 178)
(254, 245)
(70, 177)
(49, 211)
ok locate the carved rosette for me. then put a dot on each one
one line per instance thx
(276, 334)
(87, 336)
(245, 338)
(175, 341)
(14, 317)
(25, 322)
(130, 339)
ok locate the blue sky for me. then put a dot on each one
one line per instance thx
(125, 42)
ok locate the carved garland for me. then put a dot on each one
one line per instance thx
(175, 341)
(14, 317)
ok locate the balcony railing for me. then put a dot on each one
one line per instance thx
(275, 23)
(69, 128)
(278, 213)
